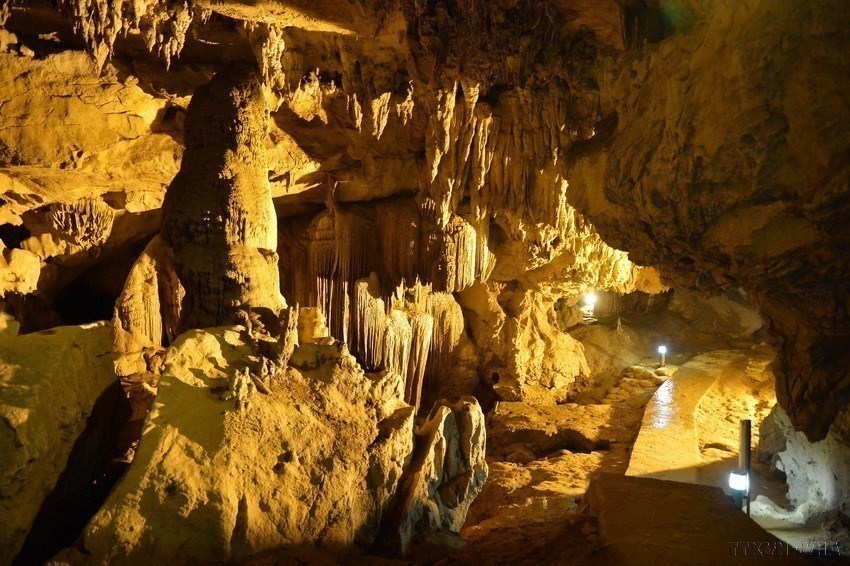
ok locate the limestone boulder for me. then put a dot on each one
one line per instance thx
(225, 471)
(445, 476)
(526, 356)
(817, 473)
(49, 384)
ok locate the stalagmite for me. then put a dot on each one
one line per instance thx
(218, 215)
(147, 312)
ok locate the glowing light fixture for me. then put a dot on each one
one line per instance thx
(662, 349)
(739, 481)
(589, 302)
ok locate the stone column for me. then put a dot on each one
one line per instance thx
(218, 214)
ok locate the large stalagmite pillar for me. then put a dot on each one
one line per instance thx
(218, 214)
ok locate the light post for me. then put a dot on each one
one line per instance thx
(739, 480)
(663, 351)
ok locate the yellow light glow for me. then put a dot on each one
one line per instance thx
(590, 299)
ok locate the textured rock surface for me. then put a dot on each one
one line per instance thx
(724, 315)
(44, 403)
(84, 160)
(727, 167)
(540, 491)
(314, 461)
(438, 185)
(817, 472)
(386, 113)
(542, 430)
(445, 475)
(218, 215)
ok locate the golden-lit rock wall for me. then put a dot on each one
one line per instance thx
(728, 168)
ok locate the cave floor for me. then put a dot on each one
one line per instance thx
(652, 521)
(530, 507)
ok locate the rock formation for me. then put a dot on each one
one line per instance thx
(332, 236)
(445, 475)
(218, 215)
(745, 184)
(314, 460)
(44, 406)
(817, 471)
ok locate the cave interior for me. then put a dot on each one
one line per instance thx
(424, 281)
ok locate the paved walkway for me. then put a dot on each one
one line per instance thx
(667, 446)
(645, 521)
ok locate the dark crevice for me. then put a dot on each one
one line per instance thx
(93, 468)
(80, 304)
(12, 235)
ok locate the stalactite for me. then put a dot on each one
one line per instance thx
(500, 155)
(380, 110)
(398, 338)
(100, 22)
(5, 12)
(465, 255)
(405, 106)
(421, 329)
(381, 303)
(448, 327)
(167, 33)
(354, 243)
(322, 263)
(339, 252)
(370, 322)
(267, 41)
(399, 244)
(86, 223)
